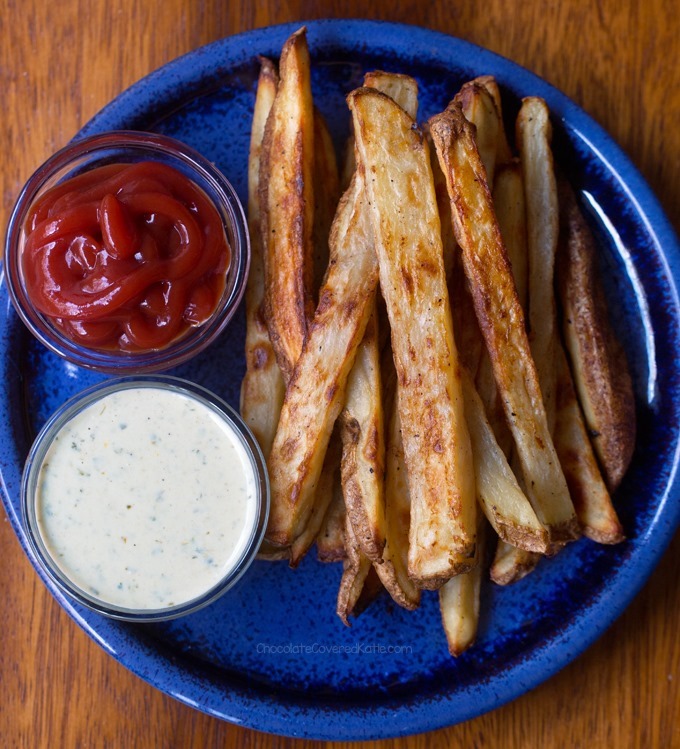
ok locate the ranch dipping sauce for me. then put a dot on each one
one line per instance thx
(147, 498)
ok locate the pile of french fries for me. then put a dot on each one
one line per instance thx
(430, 369)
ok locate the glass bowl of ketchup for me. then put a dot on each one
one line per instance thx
(127, 252)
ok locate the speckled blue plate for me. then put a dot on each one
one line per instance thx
(272, 655)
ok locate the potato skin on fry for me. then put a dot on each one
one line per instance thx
(598, 361)
(363, 453)
(592, 502)
(407, 232)
(262, 389)
(287, 205)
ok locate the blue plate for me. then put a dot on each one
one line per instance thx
(272, 655)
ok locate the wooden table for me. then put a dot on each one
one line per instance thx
(59, 64)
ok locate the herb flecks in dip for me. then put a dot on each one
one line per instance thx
(146, 498)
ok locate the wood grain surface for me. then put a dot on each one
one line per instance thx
(59, 64)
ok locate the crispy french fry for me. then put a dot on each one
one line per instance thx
(407, 233)
(330, 542)
(262, 388)
(598, 362)
(592, 502)
(403, 89)
(286, 193)
(498, 492)
(479, 108)
(326, 195)
(459, 603)
(478, 101)
(322, 501)
(511, 564)
(508, 201)
(501, 320)
(509, 204)
(363, 454)
(393, 570)
(363, 461)
(503, 151)
(534, 133)
(355, 570)
(315, 393)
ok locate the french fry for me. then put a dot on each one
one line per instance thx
(407, 232)
(509, 204)
(498, 492)
(393, 569)
(286, 194)
(479, 108)
(534, 133)
(501, 320)
(315, 393)
(459, 602)
(598, 362)
(503, 151)
(262, 389)
(355, 569)
(363, 455)
(478, 101)
(510, 564)
(403, 89)
(322, 501)
(363, 461)
(596, 514)
(330, 541)
(326, 194)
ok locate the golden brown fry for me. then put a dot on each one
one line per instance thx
(479, 108)
(508, 201)
(598, 362)
(393, 570)
(534, 133)
(315, 393)
(355, 570)
(322, 500)
(363, 454)
(498, 492)
(511, 564)
(363, 462)
(478, 100)
(596, 514)
(326, 195)
(403, 89)
(330, 542)
(395, 158)
(459, 602)
(262, 388)
(501, 320)
(503, 151)
(287, 205)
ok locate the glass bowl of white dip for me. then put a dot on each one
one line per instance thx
(145, 498)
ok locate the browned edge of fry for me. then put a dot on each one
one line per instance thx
(286, 194)
(262, 388)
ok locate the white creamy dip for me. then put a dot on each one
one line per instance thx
(146, 498)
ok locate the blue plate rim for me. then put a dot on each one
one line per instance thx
(390, 717)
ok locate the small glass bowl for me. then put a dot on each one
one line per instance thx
(129, 147)
(44, 539)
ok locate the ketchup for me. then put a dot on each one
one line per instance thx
(126, 256)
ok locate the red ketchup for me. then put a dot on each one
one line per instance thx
(125, 257)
